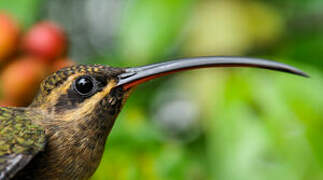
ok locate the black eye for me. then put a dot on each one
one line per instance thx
(84, 85)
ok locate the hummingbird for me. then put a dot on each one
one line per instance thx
(62, 133)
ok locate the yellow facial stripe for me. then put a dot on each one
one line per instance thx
(52, 98)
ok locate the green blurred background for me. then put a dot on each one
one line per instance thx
(230, 124)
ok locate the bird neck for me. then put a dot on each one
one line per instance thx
(75, 136)
(75, 146)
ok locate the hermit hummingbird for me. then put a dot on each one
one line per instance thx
(62, 133)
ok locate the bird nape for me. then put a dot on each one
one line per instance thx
(62, 133)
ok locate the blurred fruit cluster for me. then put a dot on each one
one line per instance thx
(28, 57)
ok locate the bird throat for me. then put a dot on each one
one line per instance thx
(75, 146)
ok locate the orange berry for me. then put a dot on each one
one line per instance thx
(9, 34)
(61, 63)
(21, 79)
(7, 103)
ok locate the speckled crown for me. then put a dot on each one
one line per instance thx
(57, 78)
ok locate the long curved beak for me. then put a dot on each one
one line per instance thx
(138, 75)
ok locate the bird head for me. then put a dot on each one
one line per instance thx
(96, 92)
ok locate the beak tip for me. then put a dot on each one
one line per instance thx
(305, 75)
(300, 73)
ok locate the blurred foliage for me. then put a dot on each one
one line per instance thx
(26, 11)
(148, 32)
(248, 124)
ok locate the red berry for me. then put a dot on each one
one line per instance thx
(45, 40)
(9, 34)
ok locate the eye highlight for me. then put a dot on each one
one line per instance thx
(85, 86)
